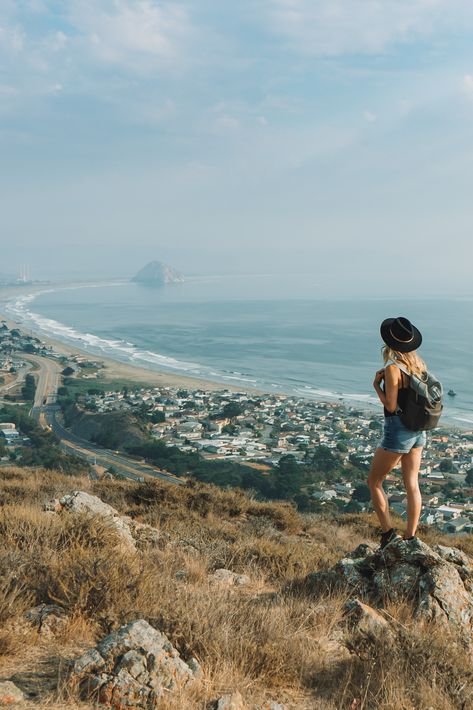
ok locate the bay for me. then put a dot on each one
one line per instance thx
(275, 333)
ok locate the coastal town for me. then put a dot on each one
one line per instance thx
(259, 430)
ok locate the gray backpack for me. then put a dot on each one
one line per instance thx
(424, 401)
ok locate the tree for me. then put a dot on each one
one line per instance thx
(231, 410)
(358, 462)
(446, 466)
(361, 493)
(29, 388)
(469, 477)
(157, 416)
(353, 506)
(324, 459)
(375, 425)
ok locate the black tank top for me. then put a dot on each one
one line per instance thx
(401, 395)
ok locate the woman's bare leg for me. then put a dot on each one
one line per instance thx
(383, 462)
(410, 465)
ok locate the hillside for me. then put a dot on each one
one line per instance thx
(265, 634)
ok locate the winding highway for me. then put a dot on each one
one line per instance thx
(45, 410)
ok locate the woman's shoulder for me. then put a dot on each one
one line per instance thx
(393, 371)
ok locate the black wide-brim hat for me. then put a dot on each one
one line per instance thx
(399, 334)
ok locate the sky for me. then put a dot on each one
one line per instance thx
(326, 137)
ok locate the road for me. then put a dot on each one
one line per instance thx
(45, 411)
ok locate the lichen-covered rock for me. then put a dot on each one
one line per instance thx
(227, 578)
(195, 667)
(366, 619)
(81, 502)
(130, 668)
(144, 535)
(230, 701)
(132, 533)
(10, 694)
(438, 581)
(364, 549)
(271, 705)
(49, 619)
(462, 562)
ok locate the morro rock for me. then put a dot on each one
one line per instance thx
(158, 274)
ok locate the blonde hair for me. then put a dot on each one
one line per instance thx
(411, 361)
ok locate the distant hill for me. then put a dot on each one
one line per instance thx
(158, 274)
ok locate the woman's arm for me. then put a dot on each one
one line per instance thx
(388, 398)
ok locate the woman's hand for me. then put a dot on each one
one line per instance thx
(378, 378)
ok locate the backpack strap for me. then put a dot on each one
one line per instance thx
(401, 367)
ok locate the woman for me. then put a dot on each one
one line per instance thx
(399, 444)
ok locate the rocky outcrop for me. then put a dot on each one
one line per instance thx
(367, 620)
(131, 668)
(158, 274)
(226, 578)
(49, 619)
(10, 695)
(438, 580)
(230, 701)
(131, 533)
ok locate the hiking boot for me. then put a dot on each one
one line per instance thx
(388, 537)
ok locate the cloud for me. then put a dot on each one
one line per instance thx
(227, 123)
(370, 116)
(133, 33)
(11, 39)
(468, 84)
(336, 27)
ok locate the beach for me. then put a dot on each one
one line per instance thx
(112, 369)
(215, 333)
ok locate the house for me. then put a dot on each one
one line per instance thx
(325, 495)
(449, 512)
(430, 499)
(428, 518)
(456, 526)
(397, 498)
(10, 435)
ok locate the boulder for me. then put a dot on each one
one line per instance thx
(10, 694)
(49, 619)
(437, 581)
(231, 701)
(271, 705)
(144, 535)
(365, 619)
(131, 668)
(132, 533)
(226, 578)
(462, 562)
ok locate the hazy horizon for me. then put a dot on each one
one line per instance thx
(327, 138)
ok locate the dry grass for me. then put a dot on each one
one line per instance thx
(267, 640)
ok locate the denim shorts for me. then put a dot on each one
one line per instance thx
(398, 438)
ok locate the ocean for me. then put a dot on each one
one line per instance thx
(274, 333)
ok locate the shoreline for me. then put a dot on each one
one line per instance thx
(116, 369)
(113, 368)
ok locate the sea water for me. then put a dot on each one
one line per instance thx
(274, 333)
